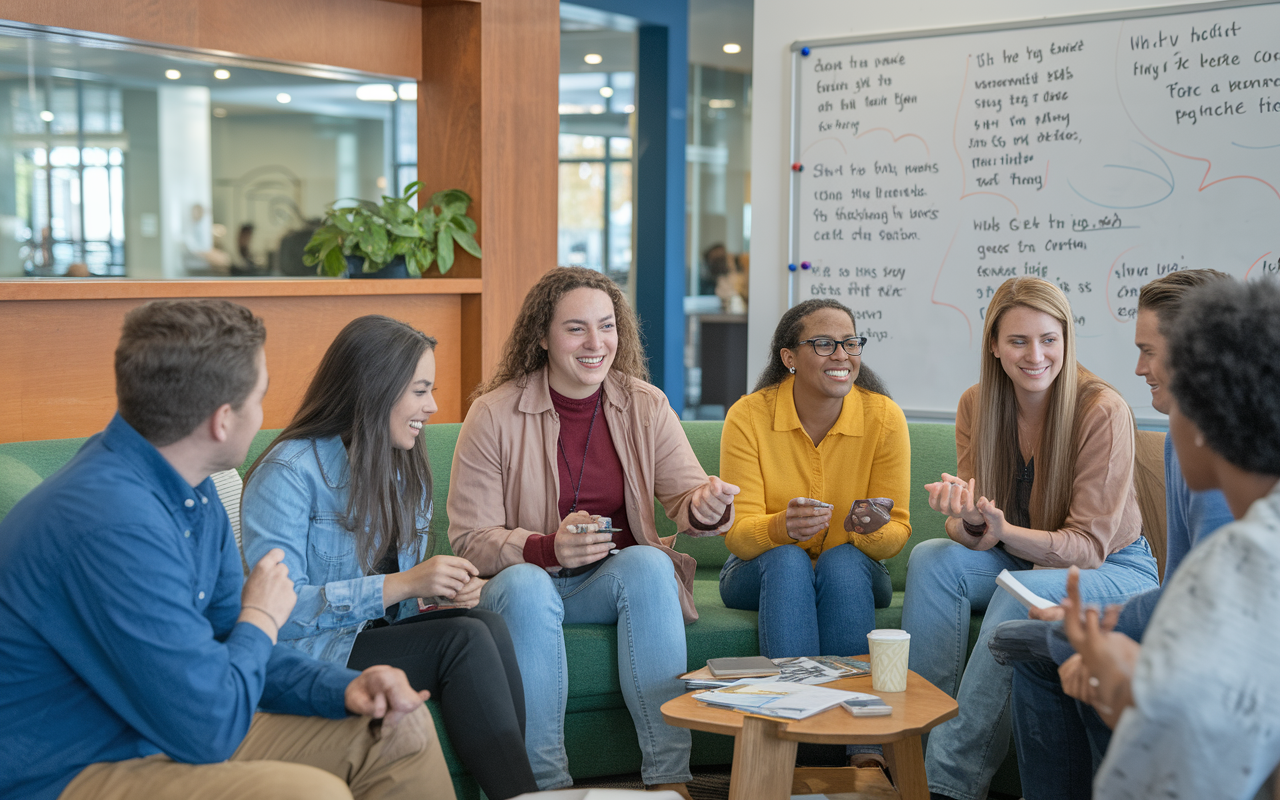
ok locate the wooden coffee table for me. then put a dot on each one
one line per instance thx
(764, 755)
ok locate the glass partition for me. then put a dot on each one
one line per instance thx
(126, 159)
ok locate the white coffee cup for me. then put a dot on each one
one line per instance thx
(889, 649)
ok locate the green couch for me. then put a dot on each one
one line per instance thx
(598, 729)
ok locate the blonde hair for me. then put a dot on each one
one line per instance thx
(995, 434)
(524, 353)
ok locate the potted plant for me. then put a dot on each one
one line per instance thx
(392, 239)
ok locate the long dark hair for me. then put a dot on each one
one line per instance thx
(362, 375)
(787, 336)
(524, 354)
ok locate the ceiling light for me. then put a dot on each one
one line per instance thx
(629, 108)
(408, 91)
(606, 91)
(372, 92)
(593, 58)
(597, 109)
(732, 48)
(47, 116)
(219, 112)
(283, 97)
(172, 74)
(722, 103)
(221, 74)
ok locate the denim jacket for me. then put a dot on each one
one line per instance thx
(297, 501)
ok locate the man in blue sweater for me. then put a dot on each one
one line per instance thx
(135, 658)
(1060, 740)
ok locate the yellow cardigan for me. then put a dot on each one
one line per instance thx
(767, 453)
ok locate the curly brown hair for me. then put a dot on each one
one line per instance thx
(524, 353)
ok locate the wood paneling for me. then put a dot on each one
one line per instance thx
(368, 35)
(119, 289)
(61, 383)
(487, 109)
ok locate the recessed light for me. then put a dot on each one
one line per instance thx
(221, 74)
(172, 74)
(219, 112)
(606, 91)
(408, 91)
(630, 109)
(47, 116)
(722, 103)
(383, 92)
(596, 109)
(283, 97)
(732, 48)
(593, 58)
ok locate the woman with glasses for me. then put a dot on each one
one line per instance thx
(1044, 479)
(822, 457)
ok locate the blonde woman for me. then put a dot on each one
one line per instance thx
(1045, 480)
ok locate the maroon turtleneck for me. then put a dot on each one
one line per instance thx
(602, 489)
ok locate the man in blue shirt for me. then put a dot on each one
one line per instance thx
(134, 655)
(1060, 742)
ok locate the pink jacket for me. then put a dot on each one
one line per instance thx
(504, 484)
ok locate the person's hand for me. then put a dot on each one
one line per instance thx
(441, 576)
(469, 597)
(806, 520)
(955, 498)
(384, 693)
(1050, 614)
(1075, 679)
(868, 516)
(1109, 657)
(578, 542)
(267, 597)
(709, 501)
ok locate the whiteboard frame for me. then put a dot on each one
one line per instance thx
(793, 227)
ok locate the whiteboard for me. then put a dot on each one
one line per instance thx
(1097, 152)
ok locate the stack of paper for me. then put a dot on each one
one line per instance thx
(774, 698)
(819, 669)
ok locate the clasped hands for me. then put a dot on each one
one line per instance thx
(956, 499)
(380, 692)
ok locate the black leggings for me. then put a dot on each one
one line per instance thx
(465, 658)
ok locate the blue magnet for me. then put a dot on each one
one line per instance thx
(805, 265)
(791, 267)
(804, 51)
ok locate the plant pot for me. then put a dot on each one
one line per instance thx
(395, 268)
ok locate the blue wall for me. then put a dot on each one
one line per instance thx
(662, 85)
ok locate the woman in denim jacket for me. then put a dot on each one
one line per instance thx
(352, 452)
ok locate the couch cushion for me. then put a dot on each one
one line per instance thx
(16, 479)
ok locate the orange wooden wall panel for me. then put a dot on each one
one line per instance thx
(61, 383)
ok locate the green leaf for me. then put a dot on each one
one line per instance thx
(444, 250)
(334, 264)
(402, 229)
(468, 242)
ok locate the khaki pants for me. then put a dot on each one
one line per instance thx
(289, 757)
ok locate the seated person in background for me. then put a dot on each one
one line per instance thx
(1198, 701)
(1045, 451)
(353, 452)
(1059, 741)
(134, 654)
(570, 399)
(819, 428)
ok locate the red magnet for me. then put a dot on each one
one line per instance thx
(797, 167)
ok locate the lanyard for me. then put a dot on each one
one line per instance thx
(582, 469)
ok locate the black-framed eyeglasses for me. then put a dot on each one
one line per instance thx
(825, 347)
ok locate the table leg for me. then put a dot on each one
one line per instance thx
(762, 763)
(905, 759)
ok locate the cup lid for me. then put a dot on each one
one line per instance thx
(889, 634)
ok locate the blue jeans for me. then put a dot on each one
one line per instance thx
(1061, 741)
(805, 609)
(637, 590)
(946, 582)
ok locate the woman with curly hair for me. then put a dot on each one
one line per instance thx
(1045, 479)
(345, 492)
(818, 437)
(571, 398)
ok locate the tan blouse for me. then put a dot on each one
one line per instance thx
(504, 484)
(1104, 516)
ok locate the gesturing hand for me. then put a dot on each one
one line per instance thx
(805, 519)
(710, 500)
(384, 693)
(1109, 657)
(267, 597)
(578, 541)
(955, 498)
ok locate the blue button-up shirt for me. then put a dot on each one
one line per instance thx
(119, 592)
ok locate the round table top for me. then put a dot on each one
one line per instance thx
(921, 707)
